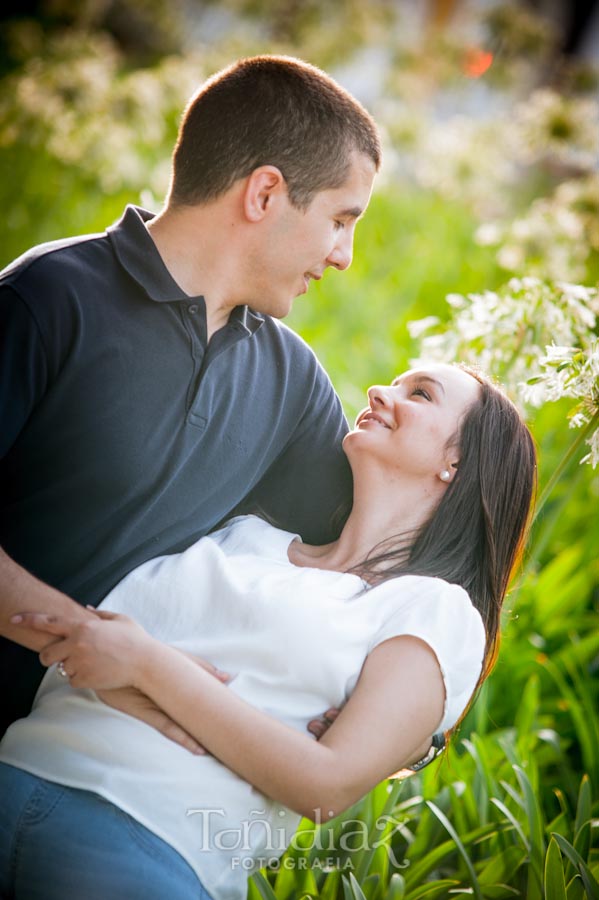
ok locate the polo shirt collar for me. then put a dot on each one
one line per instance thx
(137, 253)
(139, 256)
(247, 317)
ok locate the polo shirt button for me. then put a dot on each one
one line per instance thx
(193, 309)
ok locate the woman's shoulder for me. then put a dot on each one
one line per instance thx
(441, 615)
(414, 588)
(436, 604)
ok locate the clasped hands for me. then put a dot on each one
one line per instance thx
(106, 653)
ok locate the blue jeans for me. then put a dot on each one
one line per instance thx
(61, 843)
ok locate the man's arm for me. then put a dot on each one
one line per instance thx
(384, 726)
(20, 590)
(308, 488)
(24, 379)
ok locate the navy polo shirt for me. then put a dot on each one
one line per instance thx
(125, 435)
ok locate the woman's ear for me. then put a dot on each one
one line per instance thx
(447, 474)
(263, 185)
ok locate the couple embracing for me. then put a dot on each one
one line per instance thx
(174, 461)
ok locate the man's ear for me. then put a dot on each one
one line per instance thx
(262, 187)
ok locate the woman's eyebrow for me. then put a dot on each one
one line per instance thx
(420, 378)
(432, 380)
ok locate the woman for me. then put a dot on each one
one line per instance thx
(399, 617)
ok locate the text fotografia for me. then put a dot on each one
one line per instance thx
(327, 864)
(259, 834)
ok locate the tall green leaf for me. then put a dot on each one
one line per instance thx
(555, 883)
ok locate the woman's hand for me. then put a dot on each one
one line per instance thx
(102, 653)
(319, 727)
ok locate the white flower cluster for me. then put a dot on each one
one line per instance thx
(549, 140)
(465, 159)
(551, 126)
(572, 372)
(79, 104)
(556, 235)
(537, 337)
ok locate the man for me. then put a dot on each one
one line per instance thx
(147, 388)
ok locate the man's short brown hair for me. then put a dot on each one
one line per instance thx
(270, 110)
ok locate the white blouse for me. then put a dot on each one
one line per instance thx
(294, 640)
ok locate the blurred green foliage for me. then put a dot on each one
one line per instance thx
(411, 249)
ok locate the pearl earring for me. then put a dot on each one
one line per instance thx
(445, 475)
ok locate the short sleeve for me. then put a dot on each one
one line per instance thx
(441, 615)
(23, 366)
(308, 488)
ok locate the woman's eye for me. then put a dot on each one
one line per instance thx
(422, 393)
(339, 225)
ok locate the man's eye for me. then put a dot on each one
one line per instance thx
(339, 225)
(422, 393)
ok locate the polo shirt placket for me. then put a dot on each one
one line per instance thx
(194, 314)
(194, 318)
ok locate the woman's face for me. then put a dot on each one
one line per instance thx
(408, 425)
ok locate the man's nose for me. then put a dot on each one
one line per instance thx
(342, 253)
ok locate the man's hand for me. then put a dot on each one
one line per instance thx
(103, 652)
(138, 705)
(134, 703)
(15, 584)
(93, 653)
(127, 699)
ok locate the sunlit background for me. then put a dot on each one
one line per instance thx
(481, 242)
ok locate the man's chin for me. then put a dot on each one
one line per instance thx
(281, 309)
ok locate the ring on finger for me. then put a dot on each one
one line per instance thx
(61, 670)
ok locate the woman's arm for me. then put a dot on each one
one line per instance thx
(29, 630)
(396, 707)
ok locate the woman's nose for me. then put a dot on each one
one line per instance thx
(378, 396)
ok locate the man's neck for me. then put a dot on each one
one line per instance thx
(190, 241)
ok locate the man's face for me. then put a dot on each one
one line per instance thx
(299, 245)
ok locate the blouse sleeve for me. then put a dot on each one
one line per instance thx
(441, 615)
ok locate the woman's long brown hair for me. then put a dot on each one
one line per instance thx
(475, 536)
